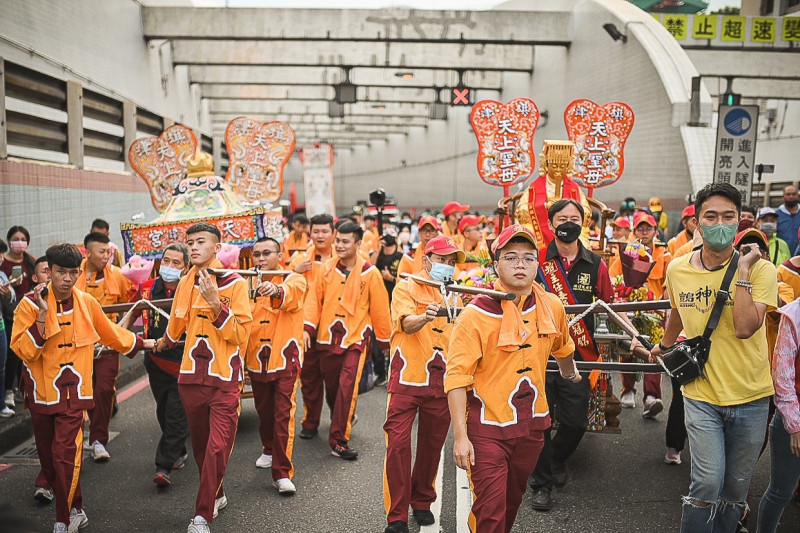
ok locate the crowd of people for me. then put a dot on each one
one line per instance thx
(336, 299)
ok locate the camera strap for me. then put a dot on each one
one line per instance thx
(722, 296)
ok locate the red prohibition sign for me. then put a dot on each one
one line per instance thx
(461, 96)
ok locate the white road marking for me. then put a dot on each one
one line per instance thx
(436, 506)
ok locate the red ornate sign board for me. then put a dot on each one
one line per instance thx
(161, 161)
(505, 140)
(258, 154)
(599, 133)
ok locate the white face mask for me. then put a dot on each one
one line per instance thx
(19, 247)
(441, 271)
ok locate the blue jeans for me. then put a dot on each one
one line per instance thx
(785, 472)
(725, 443)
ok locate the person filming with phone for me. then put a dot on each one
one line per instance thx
(726, 407)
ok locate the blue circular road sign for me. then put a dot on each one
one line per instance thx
(738, 122)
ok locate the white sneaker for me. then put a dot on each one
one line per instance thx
(284, 486)
(198, 525)
(44, 495)
(265, 461)
(99, 453)
(673, 457)
(10, 399)
(77, 520)
(652, 406)
(628, 399)
(60, 527)
(5, 412)
(219, 504)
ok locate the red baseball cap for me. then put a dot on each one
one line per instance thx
(445, 246)
(453, 207)
(516, 230)
(469, 220)
(688, 211)
(763, 241)
(642, 217)
(621, 222)
(429, 220)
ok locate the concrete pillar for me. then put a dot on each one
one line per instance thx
(3, 123)
(217, 155)
(75, 123)
(129, 129)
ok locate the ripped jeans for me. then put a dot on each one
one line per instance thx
(725, 442)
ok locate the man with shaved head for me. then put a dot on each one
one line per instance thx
(789, 218)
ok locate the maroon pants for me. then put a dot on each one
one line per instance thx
(213, 416)
(275, 405)
(651, 383)
(499, 478)
(311, 387)
(59, 443)
(401, 487)
(341, 374)
(104, 382)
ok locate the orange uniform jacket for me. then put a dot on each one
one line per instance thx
(317, 261)
(677, 241)
(468, 265)
(60, 366)
(110, 287)
(335, 327)
(418, 359)
(276, 337)
(212, 355)
(370, 243)
(294, 245)
(790, 275)
(506, 389)
(655, 281)
(411, 262)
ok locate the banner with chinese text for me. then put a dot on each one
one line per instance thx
(257, 156)
(599, 133)
(505, 140)
(317, 164)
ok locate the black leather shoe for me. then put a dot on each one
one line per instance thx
(307, 433)
(424, 517)
(396, 527)
(541, 500)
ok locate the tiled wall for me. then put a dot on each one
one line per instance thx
(58, 204)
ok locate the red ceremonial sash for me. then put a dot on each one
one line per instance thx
(538, 210)
(555, 279)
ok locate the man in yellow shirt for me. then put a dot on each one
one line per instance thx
(726, 410)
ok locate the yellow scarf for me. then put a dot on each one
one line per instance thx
(183, 296)
(352, 287)
(83, 331)
(512, 327)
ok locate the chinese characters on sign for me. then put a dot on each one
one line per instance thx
(161, 161)
(731, 29)
(505, 139)
(599, 134)
(317, 164)
(736, 148)
(258, 154)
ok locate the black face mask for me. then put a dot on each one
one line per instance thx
(568, 232)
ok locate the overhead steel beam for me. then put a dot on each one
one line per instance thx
(757, 89)
(275, 107)
(358, 120)
(319, 92)
(362, 76)
(759, 65)
(491, 57)
(304, 129)
(384, 25)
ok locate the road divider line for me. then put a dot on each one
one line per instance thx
(436, 506)
(132, 389)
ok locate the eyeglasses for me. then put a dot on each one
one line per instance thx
(527, 260)
(645, 229)
(428, 230)
(256, 255)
